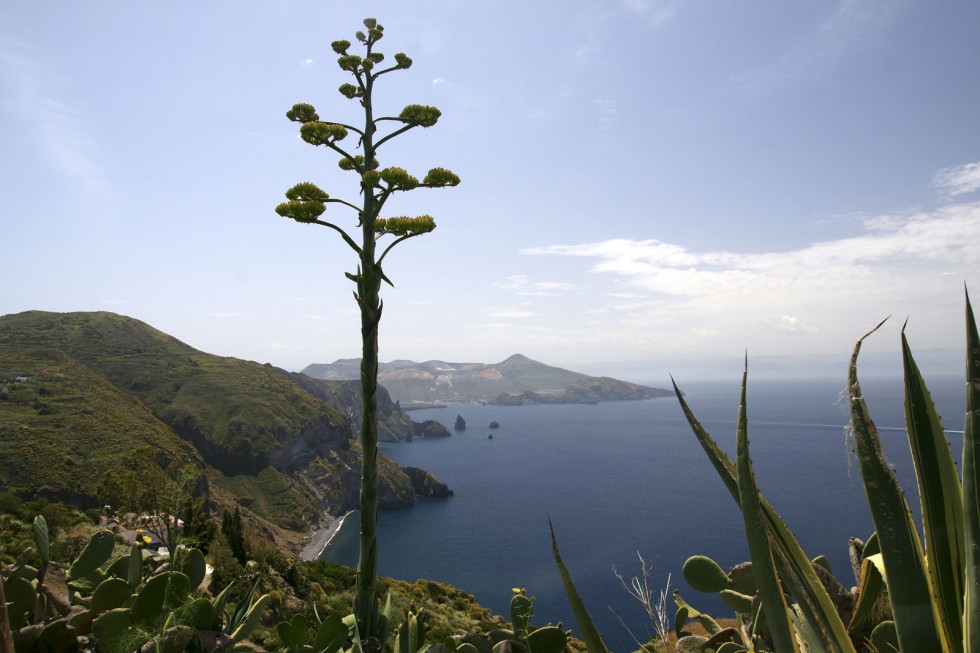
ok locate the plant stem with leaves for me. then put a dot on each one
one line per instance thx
(307, 203)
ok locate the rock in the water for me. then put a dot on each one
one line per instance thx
(431, 428)
(494, 425)
(460, 423)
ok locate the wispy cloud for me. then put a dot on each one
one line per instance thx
(957, 180)
(822, 48)
(826, 292)
(512, 313)
(608, 112)
(34, 94)
(658, 12)
(522, 285)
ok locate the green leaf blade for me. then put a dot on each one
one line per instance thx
(905, 572)
(590, 634)
(940, 495)
(763, 566)
(971, 488)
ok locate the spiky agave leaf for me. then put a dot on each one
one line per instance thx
(940, 495)
(971, 488)
(590, 634)
(905, 565)
(763, 565)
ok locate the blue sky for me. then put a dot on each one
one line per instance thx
(644, 183)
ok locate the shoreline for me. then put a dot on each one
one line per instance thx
(322, 537)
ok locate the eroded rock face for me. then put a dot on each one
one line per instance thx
(317, 439)
(460, 423)
(425, 484)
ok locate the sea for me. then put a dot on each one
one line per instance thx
(620, 480)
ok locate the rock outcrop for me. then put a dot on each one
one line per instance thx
(431, 429)
(425, 484)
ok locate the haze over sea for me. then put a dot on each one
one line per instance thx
(625, 477)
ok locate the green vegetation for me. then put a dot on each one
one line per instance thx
(121, 597)
(110, 410)
(908, 597)
(306, 203)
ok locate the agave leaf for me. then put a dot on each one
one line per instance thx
(940, 495)
(39, 530)
(871, 585)
(794, 565)
(251, 619)
(905, 566)
(590, 634)
(971, 488)
(763, 565)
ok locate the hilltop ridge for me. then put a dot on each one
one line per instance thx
(516, 380)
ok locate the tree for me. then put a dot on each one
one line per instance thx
(231, 528)
(307, 204)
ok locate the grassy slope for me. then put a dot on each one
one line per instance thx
(64, 428)
(132, 382)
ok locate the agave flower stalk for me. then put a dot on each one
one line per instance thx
(307, 203)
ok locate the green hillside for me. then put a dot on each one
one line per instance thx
(100, 392)
(64, 426)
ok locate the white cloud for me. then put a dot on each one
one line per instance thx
(522, 285)
(957, 180)
(307, 62)
(439, 80)
(512, 313)
(820, 297)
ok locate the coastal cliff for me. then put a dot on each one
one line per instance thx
(93, 397)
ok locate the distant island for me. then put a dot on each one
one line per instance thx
(516, 381)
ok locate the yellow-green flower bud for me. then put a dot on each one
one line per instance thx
(440, 177)
(398, 178)
(302, 113)
(349, 62)
(349, 91)
(403, 60)
(360, 36)
(370, 23)
(321, 133)
(376, 57)
(301, 211)
(307, 192)
(371, 178)
(405, 226)
(421, 115)
(340, 47)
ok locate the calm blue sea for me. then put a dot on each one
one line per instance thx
(626, 477)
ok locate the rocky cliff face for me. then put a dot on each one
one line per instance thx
(425, 484)
(393, 424)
